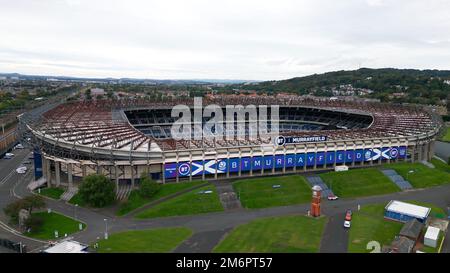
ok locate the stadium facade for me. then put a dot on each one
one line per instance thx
(122, 139)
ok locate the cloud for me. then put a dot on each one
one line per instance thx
(252, 39)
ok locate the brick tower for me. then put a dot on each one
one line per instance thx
(315, 204)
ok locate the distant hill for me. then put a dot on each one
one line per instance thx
(421, 86)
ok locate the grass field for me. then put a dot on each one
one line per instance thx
(189, 203)
(275, 235)
(76, 199)
(140, 241)
(259, 193)
(54, 193)
(446, 137)
(368, 225)
(54, 221)
(420, 176)
(440, 165)
(135, 200)
(359, 182)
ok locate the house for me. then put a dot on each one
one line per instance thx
(412, 230)
(400, 244)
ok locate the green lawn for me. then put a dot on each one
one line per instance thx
(359, 182)
(275, 235)
(139, 241)
(135, 200)
(76, 199)
(440, 165)
(189, 203)
(420, 176)
(54, 193)
(54, 221)
(259, 193)
(446, 137)
(368, 225)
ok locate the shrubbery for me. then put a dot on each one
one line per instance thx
(97, 191)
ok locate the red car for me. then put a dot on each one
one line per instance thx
(348, 215)
(332, 197)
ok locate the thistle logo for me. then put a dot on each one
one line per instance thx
(394, 152)
(222, 165)
(368, 155)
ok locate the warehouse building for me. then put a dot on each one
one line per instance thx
(404, 212)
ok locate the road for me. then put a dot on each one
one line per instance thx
(208, 228)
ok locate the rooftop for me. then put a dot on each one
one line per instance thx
(408, 209)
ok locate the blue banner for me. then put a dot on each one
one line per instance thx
(300, 160)
(310, 159)
(340, 156)
(279, 161)
(349, 154)
(233, 165)
(37, 158)
(257, 163)
(246, 164)
(222, 166)
(268, 162)
(170, 170)
(330, 157)
(290, 160)
(320, 158)
(359, 155)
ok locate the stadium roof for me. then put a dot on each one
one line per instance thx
(100, 123)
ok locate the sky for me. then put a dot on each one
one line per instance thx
(211, 39)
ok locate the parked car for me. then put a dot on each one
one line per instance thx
(332, 197)
(8, 156)
(27, 162)
(21, 170)
(19, 146)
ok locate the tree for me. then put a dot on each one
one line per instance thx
(34, 201)
(148, 187)
(34, 223)
(97, 190)
(29, 203)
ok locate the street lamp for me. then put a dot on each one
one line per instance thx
(106, 228)
(75, 211)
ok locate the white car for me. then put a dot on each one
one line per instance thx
(19, 146)
(347, 224)
(8, 156)
(21, 170)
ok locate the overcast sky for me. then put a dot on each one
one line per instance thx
(227, 39)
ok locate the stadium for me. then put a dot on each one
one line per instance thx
(124, 138)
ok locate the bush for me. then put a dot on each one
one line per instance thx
(97, 191)
(148, 187)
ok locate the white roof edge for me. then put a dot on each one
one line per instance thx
(408, 209)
